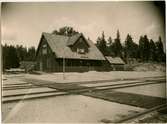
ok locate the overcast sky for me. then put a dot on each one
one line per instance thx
(23, 23)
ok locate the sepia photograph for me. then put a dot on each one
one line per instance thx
(83, 62)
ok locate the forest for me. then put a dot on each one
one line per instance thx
(144, 50)
(12, 55)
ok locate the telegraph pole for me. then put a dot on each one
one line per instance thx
(64, 68)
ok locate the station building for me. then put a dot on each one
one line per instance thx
(75, 52)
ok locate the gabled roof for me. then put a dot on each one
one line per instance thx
(59, 45)
(115, 60)
(73, 39)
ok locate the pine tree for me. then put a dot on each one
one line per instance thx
(12, 55)
(159, 51)
(117, 47)
(144, 48)
(131, 47)
(141, 48)
(128, 46)
(110, 47)
(102, 45)
(152, 56)
(31, 54)
(109, 43)
(147, 48)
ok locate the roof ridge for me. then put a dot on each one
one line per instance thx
(54, 34)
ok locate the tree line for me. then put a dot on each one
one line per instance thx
(13, 55)
(146, 50)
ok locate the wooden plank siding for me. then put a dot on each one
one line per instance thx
(74, 65)
(47, 61)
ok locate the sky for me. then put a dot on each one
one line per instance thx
(23, 23)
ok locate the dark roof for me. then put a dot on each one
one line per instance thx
(115, 60)
(59, 45)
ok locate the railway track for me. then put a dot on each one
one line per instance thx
(62, 89)
(26, 91)
(33, 92)
(111, 86)
(135, 118)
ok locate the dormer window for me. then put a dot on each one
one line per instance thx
(80, 50)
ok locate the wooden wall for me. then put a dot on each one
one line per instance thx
(45, 62)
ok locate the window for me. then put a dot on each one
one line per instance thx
(44, 46)
(80, 50)
(44, 49)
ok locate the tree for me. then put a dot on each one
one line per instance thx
(131, 48)
(109, 43)
(66, 31)
(5, 54)
(98, 42)
(102, 44)
(144, 48)
(31, 54)
(110, 46)
(152, 52)
(21, 52)
(128, 46)
(147, 48)
(116, 46)
(141, 48)
(12, 55)
(159, 51)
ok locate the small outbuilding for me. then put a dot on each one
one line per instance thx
(116, 63)
(56, 53)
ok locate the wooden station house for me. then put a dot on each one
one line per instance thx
(76, 53)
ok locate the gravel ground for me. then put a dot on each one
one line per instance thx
(78, 77)
(93, 75)
(71, 108)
